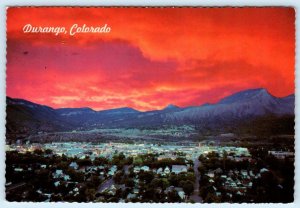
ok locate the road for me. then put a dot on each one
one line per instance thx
(126, 169)
(106, 184)
(195, 197)
(15, 186)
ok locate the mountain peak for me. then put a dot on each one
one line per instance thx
(120, 110)
(246, 95)
(171, 107)
(205, 104)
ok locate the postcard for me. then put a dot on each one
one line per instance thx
(152, 105)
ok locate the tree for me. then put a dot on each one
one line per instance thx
(84, 162)
(129, 182)
(212, 198)
(224, 159)
(48, 151)
(118, 177)
(100, 161)
(188, 187)
(164, 183)
(148, 194)
(173, 179)
(90, 194)
(38, 152)
(155, 182)
(146, 176)
(190, 176)
(173, 196)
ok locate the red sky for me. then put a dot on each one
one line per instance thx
(151, 58)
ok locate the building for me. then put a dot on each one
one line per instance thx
(58, 174)
(73, 165)
(179, 169)
(167, 170)
(112, 170)
(145, 168)
(281, 154)
(136, 169)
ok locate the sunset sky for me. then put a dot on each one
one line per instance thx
(151, 57)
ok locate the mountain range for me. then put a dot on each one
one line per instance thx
(25, 117)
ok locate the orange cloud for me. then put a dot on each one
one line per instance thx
(151, 57)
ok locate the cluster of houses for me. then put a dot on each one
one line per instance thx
(134, 194)
(163, 171)
(179, 191)
(230, 151)
(236, 181)
(81, 150)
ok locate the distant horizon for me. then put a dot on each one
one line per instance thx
(167, 105)
(150, 57)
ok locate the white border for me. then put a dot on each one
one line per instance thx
(5, 3)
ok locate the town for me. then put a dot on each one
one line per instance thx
(147, 172)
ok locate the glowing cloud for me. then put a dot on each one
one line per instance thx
(151, 57)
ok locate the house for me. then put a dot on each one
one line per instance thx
(74, 165)
(263, 170)
(82, 169)
(136, 169)
(218, 171)
(159, 171)
(18, 169)
(179, 169)
(112, 170)
(67, 177)
(230, 183)
(181, 194)
(223, 176)
(56, 183)
(211, 174)
(167, 170)
(239, 193)
(258, 175)
(145, 168)
(58, 174)
(112, 190)
(154, 170)
(244, 173)
(43, 166)
(169, 189)
(136, 182)
(131, 196)
(91, 169)
(101, 167)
